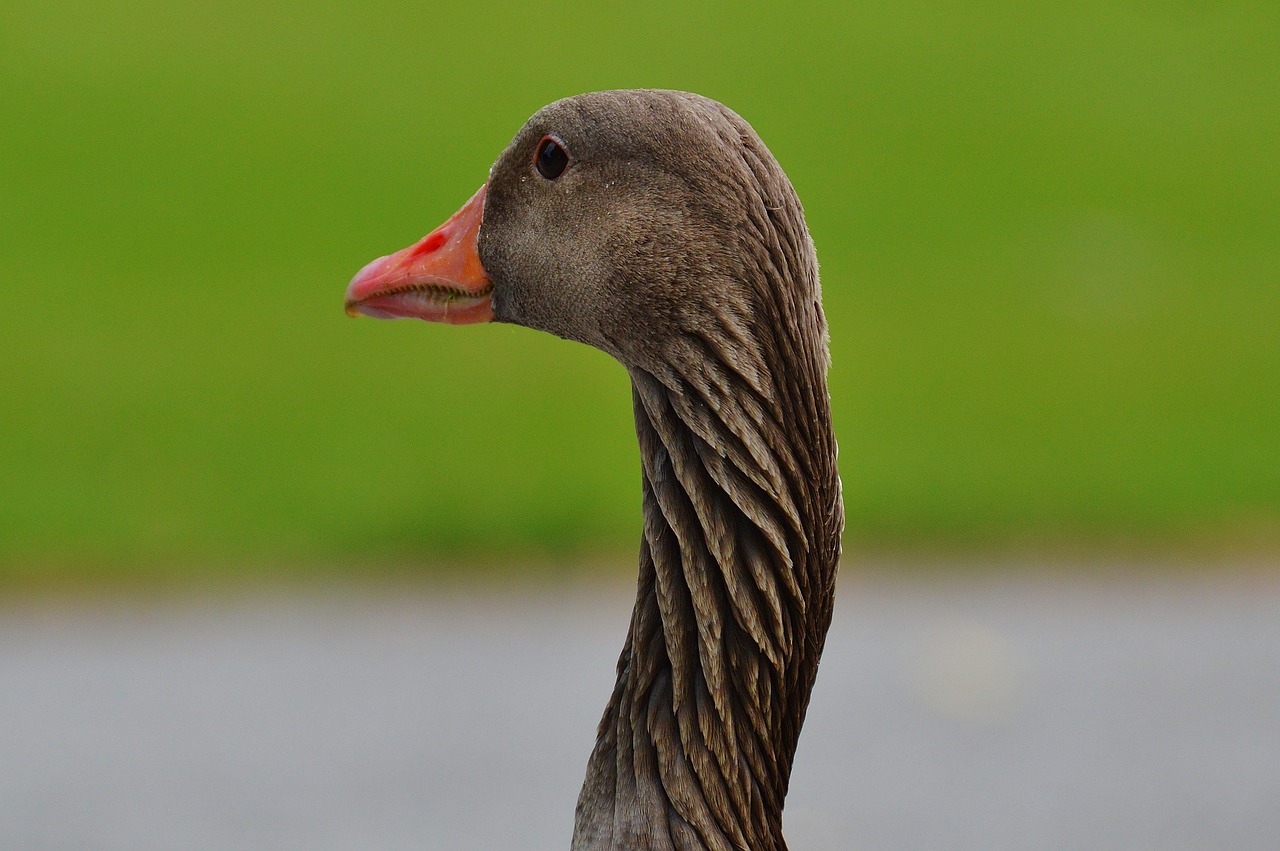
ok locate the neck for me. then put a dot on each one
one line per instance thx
(742, 520)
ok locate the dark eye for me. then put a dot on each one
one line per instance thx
(551, 159)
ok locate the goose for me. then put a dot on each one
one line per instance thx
(657, 227)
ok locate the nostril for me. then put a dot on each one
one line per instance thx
(431, 243)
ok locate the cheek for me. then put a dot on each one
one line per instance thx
(501, 301)
(529, 290)
(548, 267)
(502, 265)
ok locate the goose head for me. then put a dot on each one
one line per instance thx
(657, 226)
(623, 220)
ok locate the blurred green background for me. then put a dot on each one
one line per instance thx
(1050, 237)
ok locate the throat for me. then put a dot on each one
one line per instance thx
(737, 568)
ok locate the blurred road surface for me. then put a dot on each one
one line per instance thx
(1010, 711)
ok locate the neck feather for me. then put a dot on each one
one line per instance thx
(742, 520)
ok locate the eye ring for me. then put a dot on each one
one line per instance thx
(550, 157)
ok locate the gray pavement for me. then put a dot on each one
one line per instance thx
(1024, 710)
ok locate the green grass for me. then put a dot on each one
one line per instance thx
(1050, 239)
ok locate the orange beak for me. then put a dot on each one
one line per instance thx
(439, 278)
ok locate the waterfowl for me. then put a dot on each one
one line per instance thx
(657, 227)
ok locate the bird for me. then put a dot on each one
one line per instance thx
(657, 227)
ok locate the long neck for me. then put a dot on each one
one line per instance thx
(742, 520)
